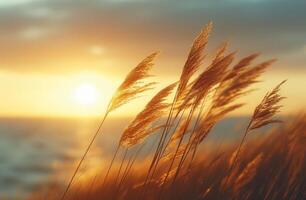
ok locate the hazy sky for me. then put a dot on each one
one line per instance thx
(50, 48)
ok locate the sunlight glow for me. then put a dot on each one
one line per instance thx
(86, 94)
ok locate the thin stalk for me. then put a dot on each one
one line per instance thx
(165, 147)
(129, 165)
(83, 157)
(159, 145)
(197, 143)
(192, 156)
(163, 139)
(120, 182)
(237, 153)
(167, 144)
(185, 157)
(177, 149)
(110, 166)
(125, 171)
(189, 144)
(121, 165)
(92, 184)
(107, 173)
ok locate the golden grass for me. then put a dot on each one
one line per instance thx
(173, 170)
(272, 167)
(140, 128)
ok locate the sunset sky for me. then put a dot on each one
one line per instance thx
(54, 51)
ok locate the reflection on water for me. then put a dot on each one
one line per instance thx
(35, 151)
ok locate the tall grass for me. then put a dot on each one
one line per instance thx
(201, 100)
(271, 166)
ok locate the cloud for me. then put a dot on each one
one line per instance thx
(56, 32)
(41, 12)
(5, 3)
(32, 33)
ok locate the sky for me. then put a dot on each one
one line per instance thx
(53, 51)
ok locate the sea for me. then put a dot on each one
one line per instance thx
(37, 151)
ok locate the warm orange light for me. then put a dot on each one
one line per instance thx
(86, 94)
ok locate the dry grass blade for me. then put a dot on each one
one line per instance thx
(165, 177)
(248, 173)
(194, 59)
(179, 133)
(261, 117)
(234, 84)
(231, 88)
(133, 83)
(140, 126)
(212, 119)
(172, 154)
(210, 77)
(220, 53)
(207, 80)
(267, 109)
(240, 67)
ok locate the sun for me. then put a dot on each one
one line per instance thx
(85, 94)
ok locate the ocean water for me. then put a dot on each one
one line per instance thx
(35, 151)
